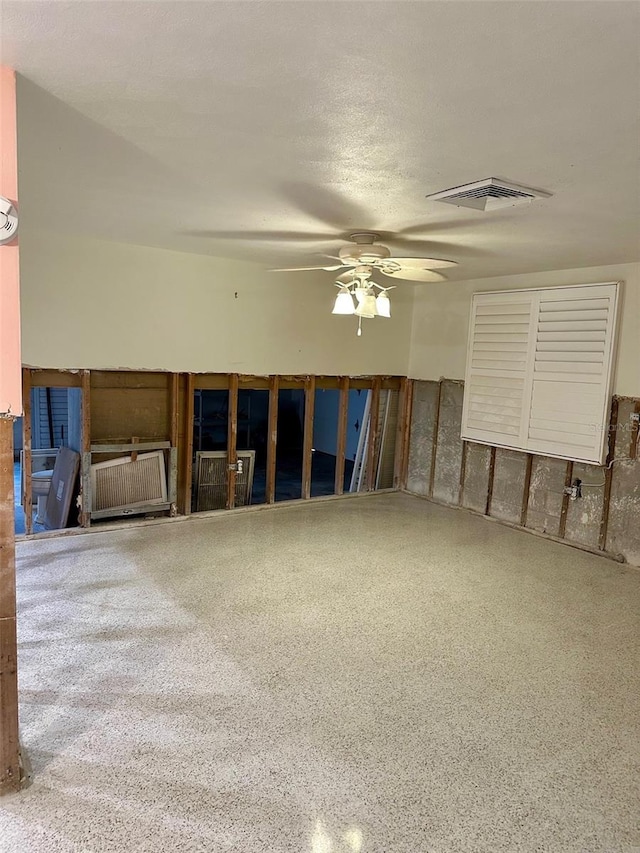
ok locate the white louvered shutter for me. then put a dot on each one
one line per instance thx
(539, 370)
(572, 358)
(496, 384)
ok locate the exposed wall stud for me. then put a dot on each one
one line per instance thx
(307, 444)
(85, 458)
(400, 432)
(568, 479)
(188, 443)
(9, 746)
(463, 469)
(232, 440)
(341, 443)
(407, 410)
(174, 411)
(608, 474)
(492, 471)
(635, 431)
(272, 443)
(525, 490)
(374, 436)
(27, 502)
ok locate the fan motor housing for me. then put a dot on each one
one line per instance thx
(363, 254)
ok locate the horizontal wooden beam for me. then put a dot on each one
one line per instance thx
(131, 447)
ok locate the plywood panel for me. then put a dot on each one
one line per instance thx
(128, 379)
(127, 411)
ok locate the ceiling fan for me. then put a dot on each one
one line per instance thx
(360, 295)
(367, 252)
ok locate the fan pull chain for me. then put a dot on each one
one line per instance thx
(359, 326)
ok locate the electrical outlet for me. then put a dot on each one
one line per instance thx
(574, 490)
(635, 417)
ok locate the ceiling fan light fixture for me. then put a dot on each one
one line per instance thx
(344, 303)
(367, 307)
(383, 305)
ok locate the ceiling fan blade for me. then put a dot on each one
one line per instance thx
(415, 275)
(324, 204)
(423, 263)
(426, 229)
(263, 236)
(303, 269)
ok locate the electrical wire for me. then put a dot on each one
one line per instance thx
(606, 468)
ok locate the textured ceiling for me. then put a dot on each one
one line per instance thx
(269, 130)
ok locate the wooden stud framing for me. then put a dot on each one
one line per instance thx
(492, 471)
(608, 473)
(188, 442)
(341, 443)
(27, 498)
(374, 436)
(85, 458)
(272, 446)
(232, 441)
(568, 477)
(55, 378)
(525, 490)
(400, 433)
(407, 414)
(210, 381)
(174, 415)
(9, 745)
(254, 383)
(307, 444)
(434, 446)
(635, 429)
(463, 468)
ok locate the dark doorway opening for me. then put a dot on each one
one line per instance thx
(290, 444)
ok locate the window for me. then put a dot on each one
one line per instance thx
(539, 370)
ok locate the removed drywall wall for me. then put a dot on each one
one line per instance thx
(524, 489)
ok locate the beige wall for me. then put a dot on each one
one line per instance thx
(441, 317)
(94, 304)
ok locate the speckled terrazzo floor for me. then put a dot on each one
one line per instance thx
(375, 674)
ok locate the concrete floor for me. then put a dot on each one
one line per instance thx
(376, 674)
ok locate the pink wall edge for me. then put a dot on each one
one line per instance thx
(10, 356)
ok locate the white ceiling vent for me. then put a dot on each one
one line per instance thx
(488, 194)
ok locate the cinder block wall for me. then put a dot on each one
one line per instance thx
(525, 489)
